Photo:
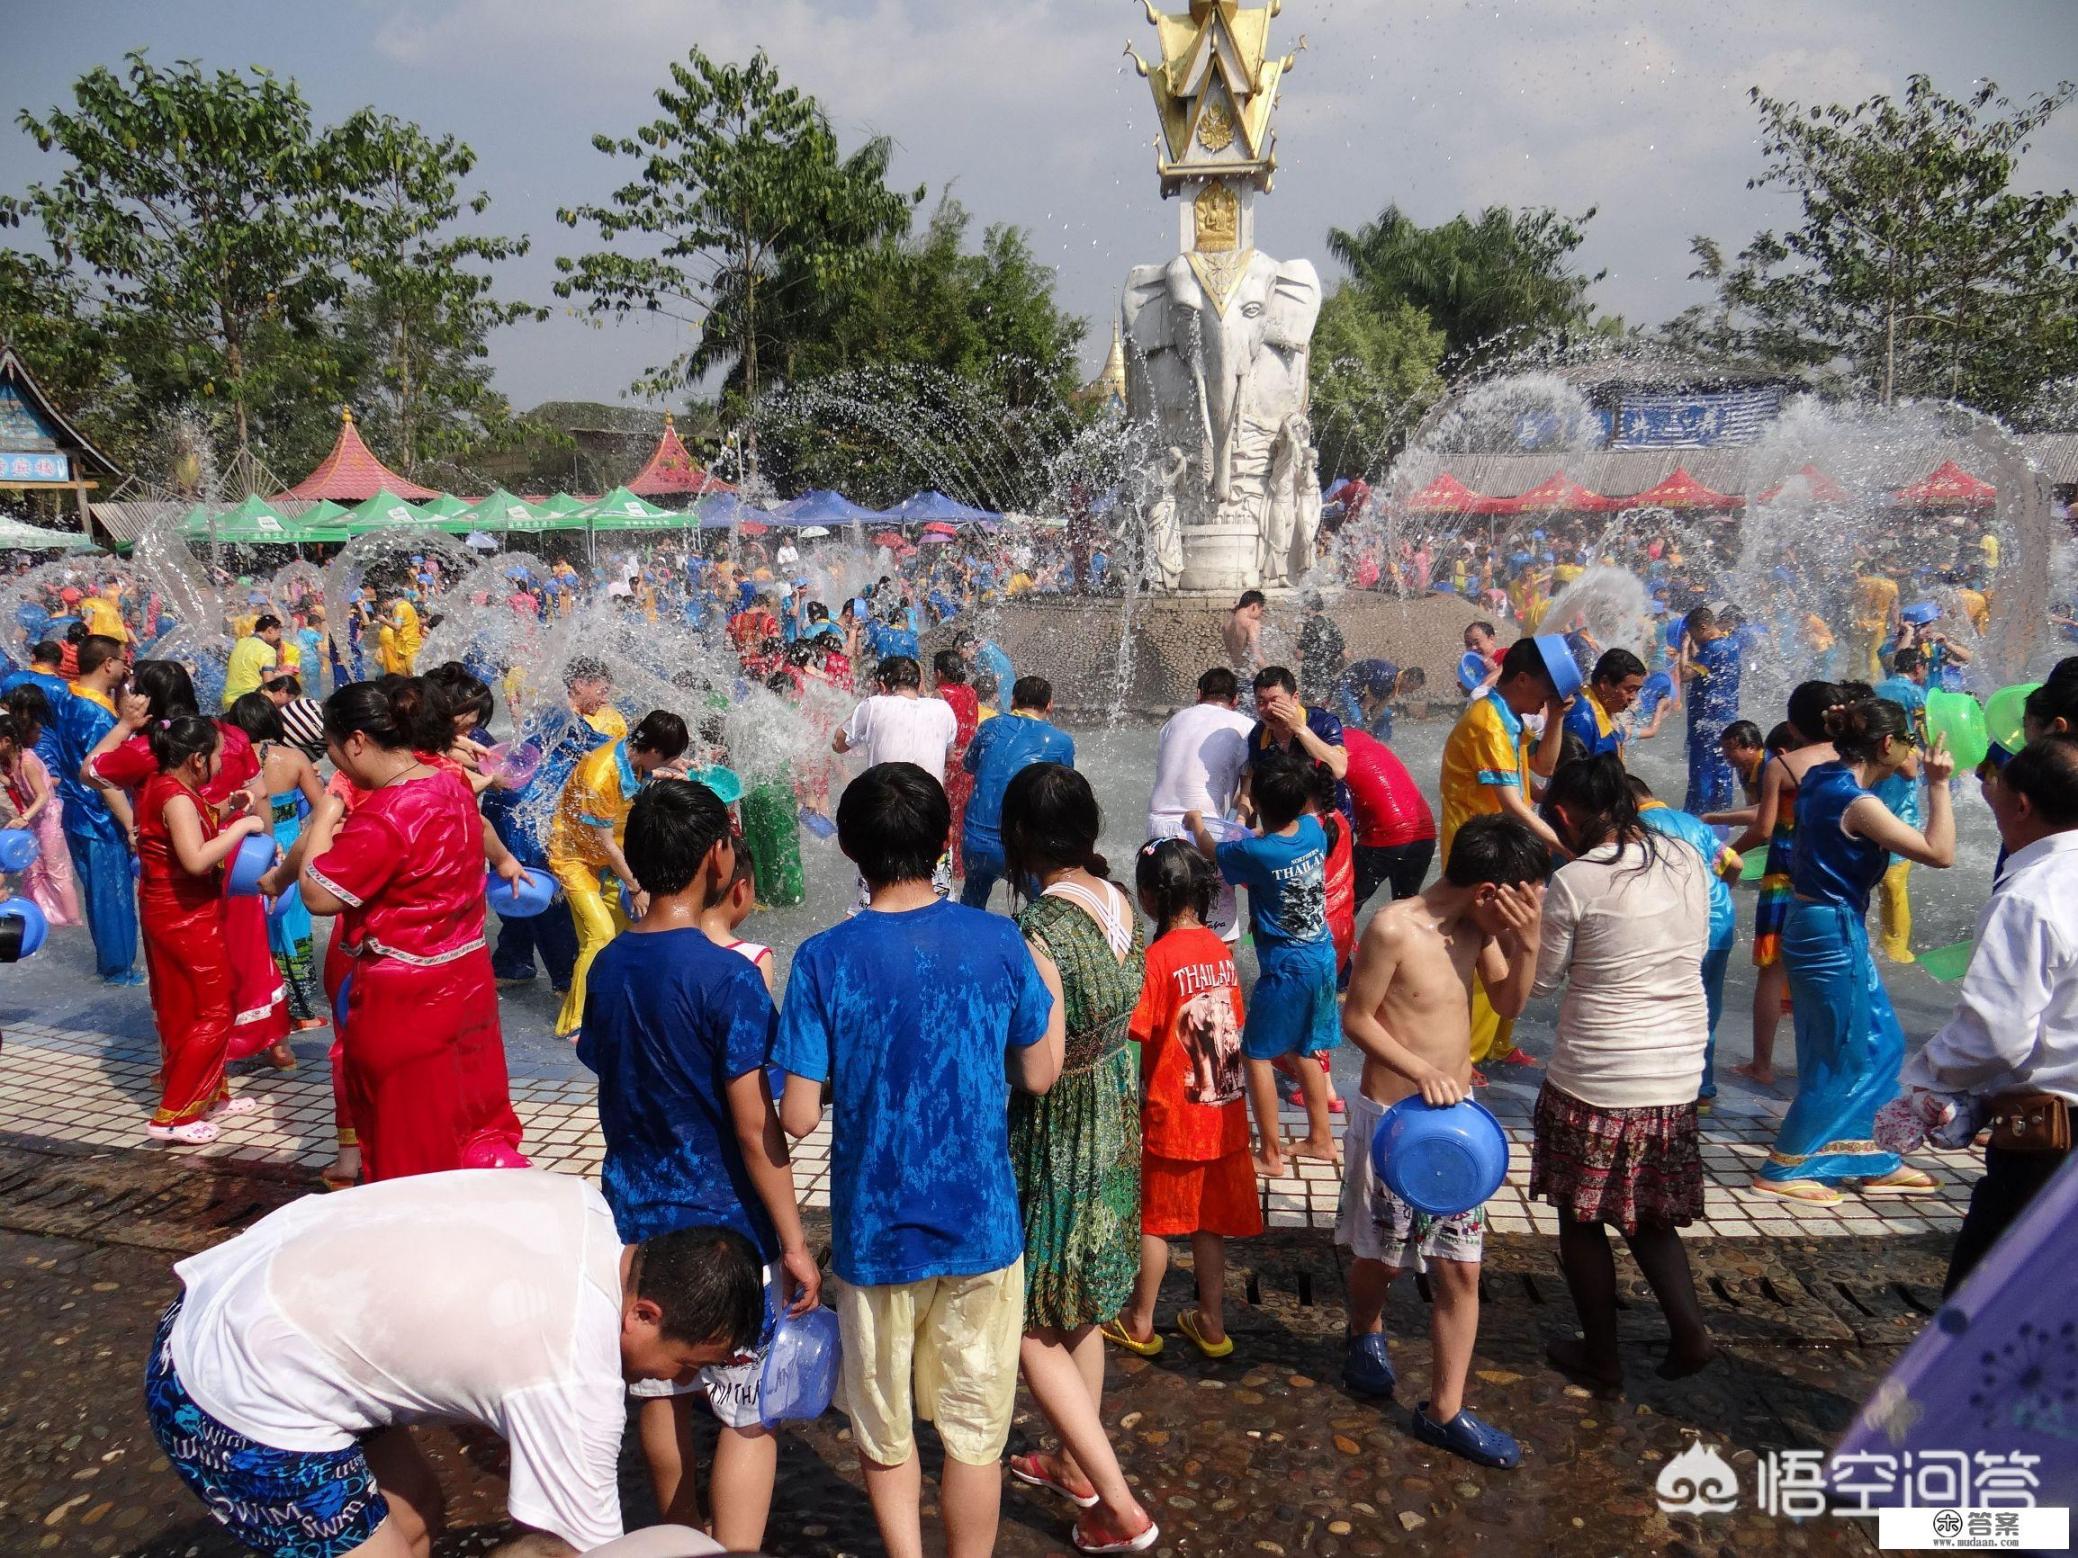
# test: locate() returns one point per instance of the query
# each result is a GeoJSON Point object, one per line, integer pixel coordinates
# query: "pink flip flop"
{"type": "Point", "coordinates": [1031, 1471]}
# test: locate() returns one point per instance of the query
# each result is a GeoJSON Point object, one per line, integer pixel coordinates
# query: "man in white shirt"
{"type": "Point", "coordinates": [2014, 1036]}
{"type": "Point", "coordinates": [787, 555]}
{"type": "Point", "coordinates": [899, 725]}
{"type": "Point", "coordinates": [284, 1380]}
{"type": "Point", "coordinates": [1197, 767]}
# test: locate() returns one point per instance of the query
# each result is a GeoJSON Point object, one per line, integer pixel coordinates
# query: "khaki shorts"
{"type": "Point", "coordinates": [944, 1349]}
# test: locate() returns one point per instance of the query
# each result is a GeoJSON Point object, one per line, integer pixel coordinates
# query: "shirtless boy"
{"type": "Point", "coordinates": [1409, 1011]}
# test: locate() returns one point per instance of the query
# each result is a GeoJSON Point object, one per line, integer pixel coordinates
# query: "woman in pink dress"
{"type": "Point", "coordinates": [38, 809]}
{"type": "Point", "coordinates": [404, 873]}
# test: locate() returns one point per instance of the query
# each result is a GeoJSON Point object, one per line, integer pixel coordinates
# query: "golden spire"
{"type": "Point", "coordinates": [1214, 92]}
{"type": "Point", "coordinates": [1111, 384]}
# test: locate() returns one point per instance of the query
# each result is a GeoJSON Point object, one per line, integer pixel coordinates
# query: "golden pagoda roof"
{"type": "Point", "coordinates": [1111, 383]}
{"type": "Point", "coordinates": [1214, 90]}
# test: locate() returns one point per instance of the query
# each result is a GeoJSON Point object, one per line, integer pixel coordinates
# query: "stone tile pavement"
{"type": "Point", "coordinates": [93, 1089]}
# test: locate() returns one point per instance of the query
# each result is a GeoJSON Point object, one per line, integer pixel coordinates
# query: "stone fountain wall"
{"type": "Point", "coordinates": [1073, 641]}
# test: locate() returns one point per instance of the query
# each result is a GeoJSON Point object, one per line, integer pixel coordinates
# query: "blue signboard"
{"type": "Point", "coordinates": [34, 466]}
{"type": "Point", "coordinates": [1687, 421]}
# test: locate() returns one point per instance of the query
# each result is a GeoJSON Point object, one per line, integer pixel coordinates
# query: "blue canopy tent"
{"type": "Point", "coordinates": [823, 507]}
{"type": "Point", "coordinates": [725, 510]}
{"type": "Point", "coordinates": [934, 507]}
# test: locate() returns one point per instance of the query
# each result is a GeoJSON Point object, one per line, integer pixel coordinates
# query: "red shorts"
{"type": "Point", "coordinates": [1179, 1197]}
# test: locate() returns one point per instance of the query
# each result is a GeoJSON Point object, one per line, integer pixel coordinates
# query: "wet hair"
{"type": "Point", "coordinates": [1697, 619]}
{"type": "Point", "coordinates": [29, 707]}
{"type": "Point", "coordinates": [174, 741]}
{"type": "Point", "coordinates": [1783, 738]}
{"type": "Point", "coordinates": [10, 728]}
{"type": "Point", "coordinates": [746, 866]}
{"type": "Point", "coordinates": [709, 1284]}
{"type": "Point", "coordinates": [585, 668]}
{"type": "Point", "coordinates": [1050, 822]}
{"type": "Point", "coordinates": [47, 652]}
{"type": "Point", "coordinates": [1171, 876]}
{"type": "Point", "coordinates": [397, 713]}
{"type": "Point", "coordinates": [1808, 702]}
{"type": "Point", "coordinates": [1742, 733]}
{"type": "Point", "coordinates": [1600, 808]}
{"type": "Point", "coordinates": [1281, 786]}
{"type": "Point", "coordinates": [463, 691]}
{"type": "Point", "coordinates": [1907, 660]}
{"type": "Point", "coordinates": [1640, 790]}
{"type": "Point", "coordinates": [1219, 683]}
{"type": "Point", "coordinates": [985, 686]}
{"type": "Point", "coordinates": [256, 715]}
{"type": "Point", "coordinates": [95, 651]}
{"type": "Point", "coordinates": [661, 732]}
{"type": "Point", "coordinates": [1497, 850]}
{"type": "Point", "coordinates": [1859, 729]}
{"type": "Point", "coordinates": [1615, 665]}
{"type": "Point", "coordinates": [265, 621]}
{"type": "Point", "coordinates": [893, 822]}
{"type": "Point", "coordinates": [2056, 699]}
{"type": "Point", "coordinates": [672, 827]}
{"type": "Point", "coordinates": [286, 681]}
{"type": "Point", "coordinates": [1480, 627]}
{"type": "Point", "coordinates": [947, 666]}
{"type": "Point", "coordinates": [1276, 676]}
{"type": "Point", "coordinates": [1251, 598]}
{"type": "Point", "coordinates": [1852, 692]}
{"type": "Point", "coordinates": [1524, 658]}
{"type": "Point", "coordinates": [1413, 679]}
{"type": "Point", "coordinates": [2046, 772]}
{"type": "Point", "coordinates": [1031, 692]}
{"type": "Point", "coordinates": [1572, 749]}
{"type": "Point", "coordinates": [898, 671]}
{"type": "Point", "coordinates": [165, 686]}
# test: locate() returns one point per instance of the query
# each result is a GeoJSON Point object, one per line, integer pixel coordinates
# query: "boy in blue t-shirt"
{"type": "Point", "coordinates": [912, 1018]}
{"type": "Point", "coordinates": [1292, 1009]}
{"type": "Point", "coordinates": [677, 1029]}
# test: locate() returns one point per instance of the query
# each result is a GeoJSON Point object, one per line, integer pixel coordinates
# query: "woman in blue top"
{"type": "Point", "coordinates": [1849, 1044]}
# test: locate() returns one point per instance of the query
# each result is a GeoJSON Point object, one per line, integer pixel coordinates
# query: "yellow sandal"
{"type": "Point", "coordinates": [1187, 1323]}
{"type": "Point", "coordinates": [1115, 1332]}
{"type": "Point", "coordinates": [1809, 1191]}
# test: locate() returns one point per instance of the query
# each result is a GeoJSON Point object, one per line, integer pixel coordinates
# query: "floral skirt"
{"type": "Point", "coordinates": [1624, 1167]}
{"type": "Point", "coordinates": [1076, 1150]}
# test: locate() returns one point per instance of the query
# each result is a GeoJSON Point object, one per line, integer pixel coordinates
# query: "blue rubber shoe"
{"type": "Point", "coordinates": [1466, 1435]}
{"type": "Point", "coordinates": [1367, 1369]}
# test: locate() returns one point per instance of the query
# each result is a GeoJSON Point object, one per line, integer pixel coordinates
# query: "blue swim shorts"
{"type": "Point", "coordinates": [1292, 1009]}
{"type": "Point", "coordinates": [284, 1503]}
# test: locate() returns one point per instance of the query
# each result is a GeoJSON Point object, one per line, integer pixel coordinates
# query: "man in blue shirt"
{"type": "Point", "coordinates": [1710, 665]}
{"type": "Point", "coordinates": [1618, 678]}
{"type": "Point", "coordinates": [999, 749]}
{"type": "Point", "coordinates": [677, 1029]}
{"type": "Point", "coordinates": [985, 654]}
{"type": "Point", "coordinates": [914, 1017]}
{"type": "Point", "coordinates": [1287, 725]}
{"type": "Point", "coordinates": [894, 637]}
{"type": "Point", "coordinates": [42, 673]}
{"type": "Point", "coordinates": [99, 843]}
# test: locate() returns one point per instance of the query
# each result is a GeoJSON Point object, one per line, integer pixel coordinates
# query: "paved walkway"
{"type": "Point", "coordinates": [93, 1089]}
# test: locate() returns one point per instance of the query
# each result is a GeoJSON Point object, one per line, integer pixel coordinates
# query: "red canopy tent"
{"type": "Point", "coordinates": [1948, 485]}
{"type": "Point", "coordinates": [671, 471]}
{"type": "Point", "coordinates": [1447, 495]}
{"type": "Point", "coordinates": [1808, 484]}
{"type": "Point", "coordinates": [1557, 494]}
{"type": "Point", "coordinates": [352, 474]}
{"type": "Point", "coordinates": [1682, 491]}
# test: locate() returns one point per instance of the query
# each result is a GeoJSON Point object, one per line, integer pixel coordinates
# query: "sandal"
{"type": "Point", "coordinates": [1187, 1323]}
{"type": "Point", "coordinates": [1904, 1180]}
{"type": "Point", "coordinates": [234, 1106]}
{"type": "Point", "coordinates": [1092, 1535]}
{"type": "Point", "coordinates": [1114, 1331]}
{"type": "Point", "coordinates": [1808, 1191]}
{"type": "Point", "coordinates": [279, 1056]}
{"type": "Point", "coordinates": [1032, 1471]}
{"type": "Point", "coordinates": [190, 1133]}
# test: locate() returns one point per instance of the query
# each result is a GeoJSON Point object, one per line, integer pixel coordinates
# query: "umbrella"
{"type": "Point", "coordinates": [887, 538]}
{"type": "Point", "coordinates": [939, 527]}
{"type": "Point", "coordinates": [480, 541]}
{"type": "Point", "coordinates": [937, 538]}
{"type": "Point", "coordinates": [751, 527]}
{"type": "Point", "coordinates": [813, 533]}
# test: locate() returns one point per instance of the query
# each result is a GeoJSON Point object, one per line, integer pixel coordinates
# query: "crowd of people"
{"type": "Point", "coordinates": [1023, 1109]}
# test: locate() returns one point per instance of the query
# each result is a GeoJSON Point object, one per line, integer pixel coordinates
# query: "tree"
{"type": "Point", "coordinates": [742, 185]}
{"type": "Point", "coordinates": [198, 205]}
{"type": "Point", "coordinates": [47, 316]}
{"type": "Point", "coordinates": [1477, 278]}
{"type": "Point", "coordinates": [1374, 370]}
{"type": "Point", "coordinates": [1916, 269]}
{"type": "Point", "coordinates": [421, 312]}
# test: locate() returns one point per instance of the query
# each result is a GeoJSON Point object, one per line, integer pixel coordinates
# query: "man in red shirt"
{"type": "Point", "coordinates": [1395, 830]}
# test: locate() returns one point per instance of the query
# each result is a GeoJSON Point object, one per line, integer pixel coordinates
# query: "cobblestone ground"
{"type": "Point", "coordinates": [1260, 1453]}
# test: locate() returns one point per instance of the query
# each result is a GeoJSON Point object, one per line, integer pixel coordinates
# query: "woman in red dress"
{"type": "Point", "coordinates": [181, 851]}
{"type": "Point", "coordinates": [949, 671]}
{"type": "Point", "coordinates": [122, 765]}
{"type": "Point", "coordinates": [424, 1057]}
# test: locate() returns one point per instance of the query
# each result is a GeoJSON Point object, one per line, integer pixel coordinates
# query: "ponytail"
{"type": "Point", "coordinates": [1051, 822]}
{"type": "Point", "coordinates": [174, 741]}
{"type": "Point", "coordinates": [1171, 877]}
{"type": "Point", "coordinates": [1600, 806]}
{"type": "Point", "coordinates": [1859, 730]}
{"type": "Point", "coordinates": [398, 713]}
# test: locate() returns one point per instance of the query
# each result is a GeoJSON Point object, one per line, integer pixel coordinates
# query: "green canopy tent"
{"type": "Point", "coordinates": [255, 522]}
{"type": "Point", "coordinates": [323, 514]}
{"type": "Point", "coordinates": [446, 506]}
{"type": "Point", "coordinates": [19, 536]}
{"type": "Point", "coordinates": [561, 503]}
{"type": "Point", "coordinates": [384, 511]}
{"type": "Point", "coordinates": [503, 510]}
{"type": "Point", "coordinates": [620, 509]}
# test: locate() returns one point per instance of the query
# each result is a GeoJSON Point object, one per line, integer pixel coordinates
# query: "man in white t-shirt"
{"type": "Point", "coordinates": [284, 1380]}
{"type": "Point", "coordinates": [899, 724]}
{"type": "Point", "coordinates": [1197, 767]}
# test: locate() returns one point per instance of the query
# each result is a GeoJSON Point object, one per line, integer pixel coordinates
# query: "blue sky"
{"type": "Point", "coordinates": [1031, 114]}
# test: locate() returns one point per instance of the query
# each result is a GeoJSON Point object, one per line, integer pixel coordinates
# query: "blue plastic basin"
{"type": "Point", "coordinates": [1440, 1161]}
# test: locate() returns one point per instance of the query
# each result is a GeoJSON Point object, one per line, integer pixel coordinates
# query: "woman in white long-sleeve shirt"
{"type": "Point", "coordinates": [1626, 924]}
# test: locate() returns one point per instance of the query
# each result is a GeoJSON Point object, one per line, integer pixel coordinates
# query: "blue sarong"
{"type": "Point", "coordinates": [1849, 1048]}
{"type": "Point", "coordinates": [108, 893]}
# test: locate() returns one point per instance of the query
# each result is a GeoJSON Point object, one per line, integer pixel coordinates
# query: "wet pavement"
{"type": "Point", "coordinates": [1263, 1452]}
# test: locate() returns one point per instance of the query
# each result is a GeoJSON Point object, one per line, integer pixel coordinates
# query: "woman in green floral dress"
{"type": "Point", "coordinates": [1076, 1148]}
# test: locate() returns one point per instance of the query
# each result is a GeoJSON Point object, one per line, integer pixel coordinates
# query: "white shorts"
{"type": "Point", "coordinates": [1375, 1224]}
{"type": "Point", "coordinates": [731, 1388]}
{"type": "Point", "coordinates": [1225, 920]}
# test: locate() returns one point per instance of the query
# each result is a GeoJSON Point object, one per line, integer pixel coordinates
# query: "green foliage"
{"type": "Point", "coordinates": [742, 186]}
{"type": "Point", "coordinates": [46, 315]}
{"type": "Point", "coordinates": [1477, 278]}
{"type": "Point", "coordinates": [1916, 270]}
{"type": "Point", "coordinates": [1374, 370]}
